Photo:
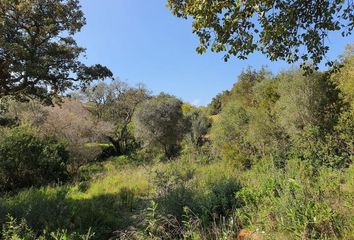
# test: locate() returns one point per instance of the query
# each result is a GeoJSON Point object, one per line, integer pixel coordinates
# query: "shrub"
{"type": "Point", "coordinates": [28, 159]}
{"type": "Point", "coordinates": [174, 190]}
{"type": "Point", "coordinates": [229, 134]}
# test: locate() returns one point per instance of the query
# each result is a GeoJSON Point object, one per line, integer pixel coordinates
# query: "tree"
{"type": "Point", "coordinates": [159, 122]}
{"type": "Point", "coordinates": [344, 131]}
{"type": "Point", "coordinates": [116, 103]}
{"type": "Point", "coordinates": [243, 90]}
{"type": "Point", "coordinates": [229, 134]}
{"type": "Point", "coordinates": [218, 102]}
{"type": "Point", "coordinates": [39, 57]}
{"type": "Point", "coordinates": [199, 124]}
{"type": "Point", "coordinates": [312, 102]}
{"type": "Point", "coordinates": [6, 118]}
{"type": "Point", "coordinates": [72, 122]}
{"type": "Point", "coordinates": [345, 77]}
{"type": "Point", "coordinates": [279, 29]}
{"type": "Point", "coordinates": [30, 112]}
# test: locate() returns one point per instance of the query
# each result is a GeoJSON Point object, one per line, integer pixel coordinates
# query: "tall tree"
{"type": "Point", "coordinates": [159, 122]}
{"type": "Point", "coordinates": [280, 29]}
{"type": "Point", "coordinates": [39, 56]}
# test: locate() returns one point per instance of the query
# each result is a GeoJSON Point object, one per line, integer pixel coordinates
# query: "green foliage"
{"type": "Point", "coordinates": [199, 126]}
{"type": "Point", "coordinates": [111, 200]}
{"type": "Point", "coordinates": [159, 122]}
{"type": "Point", "coordinates": [116, 103]}
{"type": "Point", "coordinates": [302, 201]}
{"type": "Point", "coordinates": [277, 164]}
{"type": "Point", "coordinates": [312, 101]}
{"type": "Point", "coordinates": [209, 194]}
{"type": "Point", "coordinates": [228, 133]}
{"type": "Point", "coordinates": [28, 159]}
{"type": "Point", "coordinates": [173, 188]}
{"type": "Point", "coordinates": [345, 77]}
{"type": "Point", "coordinates": [14, 230]}
{"type": "Point", "coordinates": [5, 118]}
{"type": "Point", "coordinates": [38, 55]}
{"type": "Point", "coordinates": [279, 29]}
{"type": "Point", "coordinates": [263, 118]}
{"type": "Point", "coordinates": [218, 102]}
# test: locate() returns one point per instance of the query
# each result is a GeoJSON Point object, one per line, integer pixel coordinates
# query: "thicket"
{"type": "Point", "coordinates": [28, 159]}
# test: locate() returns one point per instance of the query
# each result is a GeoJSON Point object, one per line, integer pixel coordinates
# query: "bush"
{"type": "Point", "coordinates": [28, 159]}
{"type": "Point", "coordinates": [229, 134]}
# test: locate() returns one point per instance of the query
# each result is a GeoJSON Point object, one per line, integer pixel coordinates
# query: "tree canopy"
{"type": "Point", "coordinates": [116, 103]}
{"type": "Point", "coordinates": [282, 30]}
{"type": "Point", "coordinates": [39, 57]}
{"type": "Point", "coordinates": [160, 122]}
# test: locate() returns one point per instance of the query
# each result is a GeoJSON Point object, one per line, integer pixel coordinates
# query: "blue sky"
{"type": "Point", "coordinates": [142, 42]}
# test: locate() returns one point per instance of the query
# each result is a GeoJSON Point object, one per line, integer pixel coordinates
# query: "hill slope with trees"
{"type": "Point", "coordinates": [271, 158]}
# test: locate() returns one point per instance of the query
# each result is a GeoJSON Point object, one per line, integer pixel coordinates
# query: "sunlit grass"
{"type": "Point", "coordinates": [111, 182]}
{"type": "Point", "coordinates": [98, 145]}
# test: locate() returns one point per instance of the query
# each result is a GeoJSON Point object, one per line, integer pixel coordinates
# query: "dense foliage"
{"type": "Point", "coordinates": [28, 159]}
{"type": "Point", "coordinates": [159, 122]}
{"type": "Point", "coordinates": [116, 103]}
{"type": "Point", "coordinates": [38, 55]}
{"type": "Point", "coordinates": [263, 118]}
{"type": "Point", "coordinates": [272, 164]}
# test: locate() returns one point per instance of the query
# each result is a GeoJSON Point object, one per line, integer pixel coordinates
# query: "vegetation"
{"type": "Point", "coordinates": [38, 55]}
{"type": "Point", "coordinates": [279, 29]}
{"type": "Point", "coordinates": [271, 158]}
{"type": "Point", "coordinates": [27, 159]}
{"type": "Point", "coordinates": [115, 103]}
{"type": "Point", "coordinates": [274, 162]}
{"type": "Point", "coordinates": [159, 122]}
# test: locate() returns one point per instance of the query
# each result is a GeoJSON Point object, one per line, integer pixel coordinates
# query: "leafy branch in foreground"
{"type": "Point", "coordinates": [282, 30]}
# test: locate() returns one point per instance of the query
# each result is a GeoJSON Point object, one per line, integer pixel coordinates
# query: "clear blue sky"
{"type": "Point", "coordinates": [141, 41]}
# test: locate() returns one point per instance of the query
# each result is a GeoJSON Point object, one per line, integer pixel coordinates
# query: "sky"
{"type": "Point", "coordinates": [142, 42]}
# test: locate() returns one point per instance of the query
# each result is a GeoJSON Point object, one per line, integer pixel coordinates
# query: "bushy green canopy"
{"type": "Point", "coordinates": [39, 56]}
{"type": "Point", "coordinates": [159, 122]}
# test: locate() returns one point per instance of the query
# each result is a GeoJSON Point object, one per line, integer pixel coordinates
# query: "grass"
{"type": "Point", "coordinates": [113, 195]}
{"type": "Point", "coordinates": [107, 196]}
{"type": "Point", "coordinates": [109, 201]}
{"type": "Point", "coordinates": [103, 145]}
{"type": "Point", "coordinates": [112, 179]}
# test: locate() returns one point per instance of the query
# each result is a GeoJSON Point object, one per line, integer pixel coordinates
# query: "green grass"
{"type": "Point", "coordinates": [114, 194]}
{"type": "Point", "coordinates": [98, 145]}
{"type": "Point", "coordinates": [109, 201]}
{"type": "Point", "coordinates": [109, 196]}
